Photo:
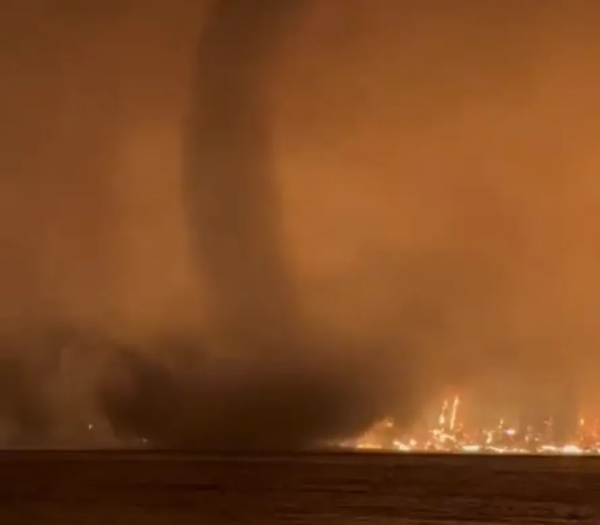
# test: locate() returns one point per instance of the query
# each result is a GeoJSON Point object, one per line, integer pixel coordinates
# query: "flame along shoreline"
{"type": "Point", "coordinates": [546, 450]}
{"type": "Point", "coordinates": [449, 436]}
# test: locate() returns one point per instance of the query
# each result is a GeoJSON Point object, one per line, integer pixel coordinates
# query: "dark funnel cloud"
{"type": "Point", "coordinates": [267, 379]}
{"type": "Point", "coordinates": [231, 193]}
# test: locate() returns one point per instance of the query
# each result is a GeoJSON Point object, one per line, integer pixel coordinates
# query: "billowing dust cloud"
{"type": "Point", "coordinates": [267, 224]}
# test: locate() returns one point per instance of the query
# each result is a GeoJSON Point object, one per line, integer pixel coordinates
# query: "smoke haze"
{"type": "Point", "coordinates": [256, 224]}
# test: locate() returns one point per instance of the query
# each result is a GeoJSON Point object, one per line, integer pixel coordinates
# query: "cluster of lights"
{"type": "Point", "coordinates": [448, 435]}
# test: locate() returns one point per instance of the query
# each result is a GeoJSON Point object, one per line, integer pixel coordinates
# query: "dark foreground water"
{"type": "Point", "coordinates": [152, 488]}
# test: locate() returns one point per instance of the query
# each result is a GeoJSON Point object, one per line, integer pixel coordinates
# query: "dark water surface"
{"type": "Point", "coordinates": [167, 488]}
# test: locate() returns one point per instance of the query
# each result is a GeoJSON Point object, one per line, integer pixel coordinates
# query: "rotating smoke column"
{"type": "Point", "coordinates": [230, 190]}
{"type": "Point", "coordinates": [264, 379]}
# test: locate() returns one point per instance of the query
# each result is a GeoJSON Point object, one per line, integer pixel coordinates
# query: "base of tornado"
{"type": "Point", "coordinates": [100, 394]}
